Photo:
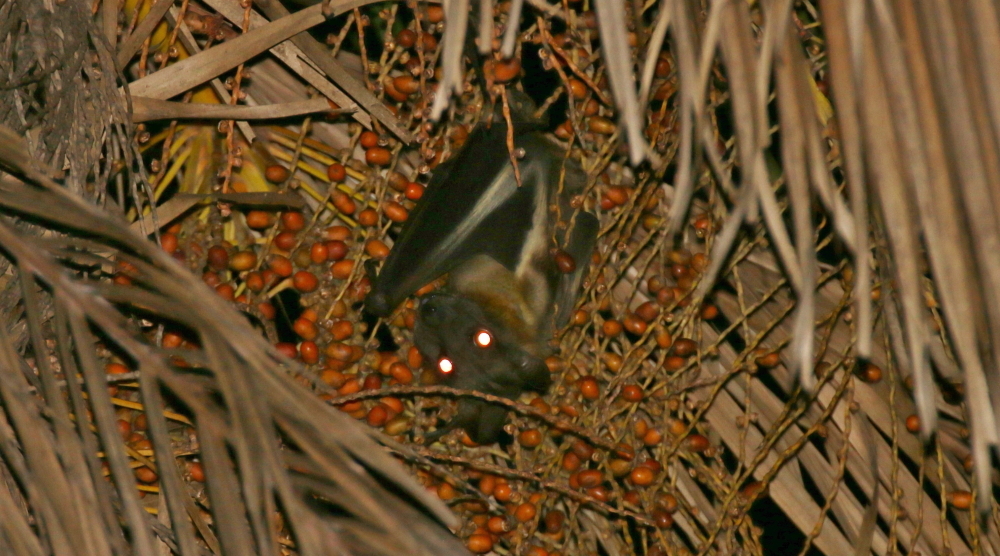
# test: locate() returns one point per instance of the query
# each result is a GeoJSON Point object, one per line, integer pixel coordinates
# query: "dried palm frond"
{"type": "Point", "coordinates": [59, 89]}
{"type": "Point", "coordinates": [267, 445]}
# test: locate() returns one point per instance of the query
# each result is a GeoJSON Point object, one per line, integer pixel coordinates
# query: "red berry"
{"type": "Point", "coordinates": [369, 139]}
{"type": "Point", "coordinates": [305, 281]}
{"type": "Point", "coordinates": [336, 172]}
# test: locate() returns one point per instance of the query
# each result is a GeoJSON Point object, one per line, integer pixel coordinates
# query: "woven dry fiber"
{"type": "Point", "coordinates": [677, 423]}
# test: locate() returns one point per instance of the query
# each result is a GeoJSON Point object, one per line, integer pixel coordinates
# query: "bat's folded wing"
{"type": "Point", "coordinates": [472, 207]}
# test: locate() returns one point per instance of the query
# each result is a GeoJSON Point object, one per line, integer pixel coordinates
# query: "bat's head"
{"type": "Point", "coordinates": [474, 350]}
{"type": "Point", "coordinates": [522, 112]}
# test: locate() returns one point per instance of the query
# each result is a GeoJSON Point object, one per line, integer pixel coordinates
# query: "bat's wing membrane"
{"type": "Point", "coordinates": [579, 242]}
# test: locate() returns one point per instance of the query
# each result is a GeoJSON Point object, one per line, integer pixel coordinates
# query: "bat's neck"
{"type": "Point", "coordinates": [501, 296]}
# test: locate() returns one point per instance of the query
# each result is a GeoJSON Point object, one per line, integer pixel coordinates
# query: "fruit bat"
{"type": "Point", "coordinates": [488, 329]}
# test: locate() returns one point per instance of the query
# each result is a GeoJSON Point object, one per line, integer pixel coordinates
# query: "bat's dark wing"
{"type": "Point", "coordinates": [472, 206]}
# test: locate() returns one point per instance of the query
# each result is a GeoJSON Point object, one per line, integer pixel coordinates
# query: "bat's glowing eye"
{"type": "Point", "coordinates": [444, 364]}
{"type": "Point", "coordinates": [483, 339]}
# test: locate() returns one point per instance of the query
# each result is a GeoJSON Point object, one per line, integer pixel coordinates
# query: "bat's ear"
{"type": "Point", "coordinates": [522, 112]}
{"type": "Point", "coordinates": [533, 371]}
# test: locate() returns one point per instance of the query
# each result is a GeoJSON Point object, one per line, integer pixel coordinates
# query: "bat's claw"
{"type": "Point", "coordinates": [377, 304]}
{"type": "Point", "coordinates": [377, 301]}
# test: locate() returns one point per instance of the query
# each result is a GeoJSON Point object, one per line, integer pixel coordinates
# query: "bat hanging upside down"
{"type": "Point", "coordinates": [488, 329]}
